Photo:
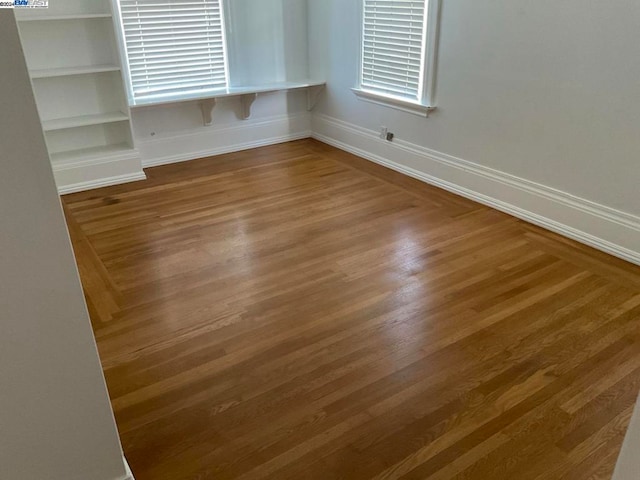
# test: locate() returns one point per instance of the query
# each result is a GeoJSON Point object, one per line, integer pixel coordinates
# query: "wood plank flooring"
{"type": "Point", "coordinates": [295, 312]}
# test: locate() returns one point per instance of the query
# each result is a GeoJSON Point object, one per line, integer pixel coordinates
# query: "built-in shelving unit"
{"type": "Point", "coordinates": [75, 67]}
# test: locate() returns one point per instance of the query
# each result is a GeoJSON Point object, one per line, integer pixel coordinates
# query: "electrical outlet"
{"type": "Point", "coordinates": [383, 133]}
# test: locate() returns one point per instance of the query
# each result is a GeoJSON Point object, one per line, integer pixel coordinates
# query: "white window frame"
{"type": "Point", "coordinates": [426, 99]}
{"type": "Point", "coordinates": [160, 99]}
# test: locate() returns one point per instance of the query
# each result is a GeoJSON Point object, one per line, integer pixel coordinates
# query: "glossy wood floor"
{"type": "Point", "coordinates": [294, 312]}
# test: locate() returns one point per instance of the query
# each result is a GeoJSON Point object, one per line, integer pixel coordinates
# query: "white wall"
{"type": "Point", "coordinates": [55, 419]}
{"type": "Point", "coordinates": [267, 43]}
{"type": "Point", "coordinates": [541, 90]}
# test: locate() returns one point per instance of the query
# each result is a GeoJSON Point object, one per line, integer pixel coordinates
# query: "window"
{"type": "Point", "coordinates": [173, 46]}
{"type": "Point", "coordinates": [399, 40]}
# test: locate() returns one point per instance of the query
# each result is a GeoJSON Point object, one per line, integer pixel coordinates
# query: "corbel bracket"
{"type": "Point", "coordinates": [247, 101]}
{"type": "Point", "coordinates": [207, 107]}
{"type": "Point", "coordinates": [313, 93]}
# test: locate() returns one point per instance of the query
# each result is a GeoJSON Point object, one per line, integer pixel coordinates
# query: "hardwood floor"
{"type": "Point", "coordinates": [295, 312]}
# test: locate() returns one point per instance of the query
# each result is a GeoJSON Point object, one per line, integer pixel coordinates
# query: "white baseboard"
{"type": "Point", "coordinates": [129, 475]}
{"type": "Point", "coordinates": [599, 226]}
{"type": "Point", "coordinates": [102, 182]}
{"type": "Point", "coordinates": [210, 141]}
{"type": "Point", "coordinates": [162, 150]}
{"type": "Point", "coordinates": [96, 173]}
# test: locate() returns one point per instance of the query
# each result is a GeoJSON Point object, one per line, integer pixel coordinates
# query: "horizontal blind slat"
{"type": "Point", "coordinates": [392, 50]}
{"type": "Point", "coordinates": [177, 50]}
{"type": "Point", "coordinates": [163, 33]}
{"type": "Point", "coordinates": [174, 45]}
{"type": "Point", "coordinates": [179, 68]}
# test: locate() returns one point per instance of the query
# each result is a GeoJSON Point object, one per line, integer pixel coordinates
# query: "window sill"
{"type": "Point", "coordinates": [415, 108]}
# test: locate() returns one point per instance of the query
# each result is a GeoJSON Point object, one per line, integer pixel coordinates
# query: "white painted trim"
{"type": "Point", "coordinates": [129, 475]}
{"type": "Point", "coordinates": [207, 142]}
{"type": "Point", "coordinates": [398, 103]}
{"type": "Point", "coordinates": [598, 226]}
{"type": "Point", "coordinates": [99, 183]}
{"type": "Point", "coordinates": [93, 171]}
{"type": "Point", "coordinates": [130, 155]}
{"type": "Point", "coordinates": [431, 48]}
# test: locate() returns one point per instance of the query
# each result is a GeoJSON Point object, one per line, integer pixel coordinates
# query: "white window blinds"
{"type": "Point", "coordinates": [393, 47]}
{"type": "Point", "coordinates": [174, 46]}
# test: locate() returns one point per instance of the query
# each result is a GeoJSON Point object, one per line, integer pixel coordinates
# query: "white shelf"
{"type": "Point", "coordinates": [74, 157]}
{"type": "Point", "coordinates": [247, 94]}
{"type": "Point", "coordinates": [73, 16]}
{"type": "Point", "coordinates": [68, 71]}
{"type": "Point", "coordinates": [224, 92]}
{"type": "Point", "coordinates": [83, 121]}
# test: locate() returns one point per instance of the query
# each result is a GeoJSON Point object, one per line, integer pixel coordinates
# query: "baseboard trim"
{"type": "Point", "coordinates": [96, 172]}
{"type": "Point", "coordinates": [208, 142]}
{"type": "Point", "coordinates": [599, 226]}
{"type": "Point", "coordinates": [102, 182]}
{"type": "Point", "coordinates": [129, 475]}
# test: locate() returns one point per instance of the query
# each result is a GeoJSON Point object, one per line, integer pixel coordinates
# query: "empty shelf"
{"type": "Point", "coordinates": [66, 71]}
{"type": "Point", "coordinates": [83, 121]}
{"type": "Point", "coordinates": [87, 154]}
